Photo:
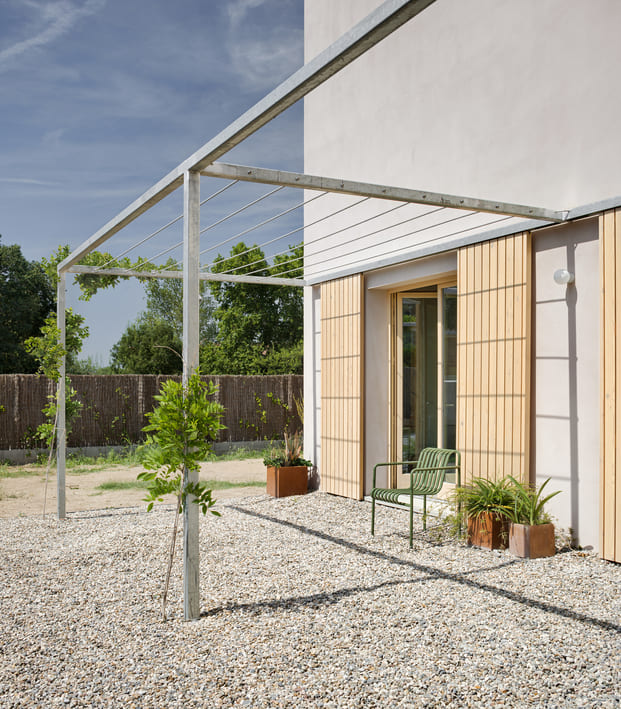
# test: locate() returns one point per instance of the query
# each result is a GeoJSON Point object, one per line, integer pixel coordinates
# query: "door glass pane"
{"type": "Point", "coordinates": [449, 366]}
{"type": "Point", "coordinates": [420, 356]}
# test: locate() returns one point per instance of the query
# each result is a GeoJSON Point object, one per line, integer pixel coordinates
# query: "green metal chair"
{"type": "Point", "coordinates": [426, 478]}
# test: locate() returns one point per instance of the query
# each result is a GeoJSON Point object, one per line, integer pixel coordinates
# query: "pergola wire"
{"type": "Point", "coordinates": [359, 237]}
{"type": "Point", "coordinates": [258, 226]}
{"type": "Point", "coordinates": [338, 231]}
{"type": "Point", "coordinates": [288, 250]}
{"type": "Point", "coordinates": [427, 241]}
{"type": "Point", "coordinates": [140, 243]}
{"type": "Point", "coordinates": [306, 226]}
{"type": "Point", "coordinates": [295, 269]}
{"type": "Point", "coordinates": [311, 268]}
{"type": "Point", "coordinates": [163, 228]}
{"type": "Point", "coordinates": [242, 209]}
{"type": "Point", "coordinates": [351, 226]}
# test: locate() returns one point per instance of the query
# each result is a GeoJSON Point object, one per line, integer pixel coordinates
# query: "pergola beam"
{"type": "Point", "coordinates": [204, 276]}
{"type": "Point", "coordinates": [365, 35]}
{"type": "Point", "coordinates": [365, 189]}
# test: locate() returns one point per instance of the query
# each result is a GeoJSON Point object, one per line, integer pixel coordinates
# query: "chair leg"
{"type": "Point", "coordinates": [411, 519]}
{"type": "Point", "coordinates": [424, 512]}
{"type": "Point", "coordinates": [372, 516]}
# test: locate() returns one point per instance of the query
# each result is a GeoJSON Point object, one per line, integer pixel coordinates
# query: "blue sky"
{"type": "Point", "coordinates": [99, 99]}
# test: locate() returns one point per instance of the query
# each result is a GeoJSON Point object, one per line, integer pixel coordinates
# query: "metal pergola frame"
{"type": "Point", "coordinates": [391, 15]}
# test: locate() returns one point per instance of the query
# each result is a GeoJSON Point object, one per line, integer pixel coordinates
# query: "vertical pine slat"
{"type": "Point", "coordinates": [494, 337]}
{"type": "Point", "coordinates": [493, 359]}
{"type": "Point", "coordinates": [610, 488]}
{"type": "Point", "coordinates": [485, 330]}
{"type": "Point", "coordinates": [342, 367]}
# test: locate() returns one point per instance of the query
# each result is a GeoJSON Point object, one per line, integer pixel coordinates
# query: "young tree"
{"type": "Point", "coordinates": [182, 429]}
{"type": "Point", "coordinates": [47, 351]}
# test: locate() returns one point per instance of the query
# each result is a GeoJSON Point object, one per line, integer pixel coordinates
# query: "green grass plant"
{"type": "Point", "coordinates": [133, 456]}
{"type": "Point", "coordinates": [528, 503]}
{"type": "Point", "coordinates": [12, 471]}
{"type": "Point", "coordinates": [235, 454]}
{"type": "Point", "coordinates": [227, 485]}
{"type": "Point", "coordinates": [113, 485]}
{"type": "Point", "coordinates": [482, 495]}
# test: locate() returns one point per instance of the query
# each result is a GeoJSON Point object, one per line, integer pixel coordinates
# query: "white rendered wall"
{"type": "Point", "coordinates": [565, 395]}
{"type": "Point", "coordinates": [497, 99]}
{"type": "Point", "coordinates": [312, 374]}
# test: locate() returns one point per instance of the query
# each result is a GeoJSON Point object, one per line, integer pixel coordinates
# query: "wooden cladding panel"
{"type": "Point", "coordinates": [493, 357]}
{"type": "Point", "coordinates": [610, 455]}
{"type": "Point", "coordinates": [342, 333]}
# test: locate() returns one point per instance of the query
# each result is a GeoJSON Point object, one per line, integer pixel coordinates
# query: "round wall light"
{"type": "Point", "coordinates": [563, 277]}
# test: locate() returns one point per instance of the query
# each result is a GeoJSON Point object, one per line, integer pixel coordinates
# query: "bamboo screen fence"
{"type": "Point", "coordinates": [114, 407]}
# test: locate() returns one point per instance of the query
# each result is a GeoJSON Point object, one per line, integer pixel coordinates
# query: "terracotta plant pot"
{"type": "Point", "coordinates": [531, 541]}
{"type": "Point", "coordinates": [489, 530]}
{"type": "Point", "coordinates": [282, 482]}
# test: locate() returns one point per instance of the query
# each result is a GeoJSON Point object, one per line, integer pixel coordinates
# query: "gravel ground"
{"type": "Point", "coordinates": [301, 607]}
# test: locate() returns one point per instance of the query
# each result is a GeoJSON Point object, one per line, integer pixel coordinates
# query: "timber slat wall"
{"type": "Point", "coordinates": [342, 337]}
{"type": "Point", "coordinates": [115, 407]}
{"type": "Point", "coordinates": [493, 354]}
{"type": "Point", "coordinates": [610, 455]}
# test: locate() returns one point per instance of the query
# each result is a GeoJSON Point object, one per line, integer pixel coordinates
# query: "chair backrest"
{"type": "Point", "coordinates": [432, 464]}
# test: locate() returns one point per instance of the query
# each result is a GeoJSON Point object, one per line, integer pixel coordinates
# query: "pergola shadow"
{"type": "Point", "coordinates": [429, 573]}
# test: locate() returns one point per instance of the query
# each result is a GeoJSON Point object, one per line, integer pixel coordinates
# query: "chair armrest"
{"type": "Point", "coordinates": [384, 465]}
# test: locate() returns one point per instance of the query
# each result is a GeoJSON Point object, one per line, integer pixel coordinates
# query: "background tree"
{"type": "Point", "coordinates": [148, 346]}
{"type": "Point", "coordinates": [260, 327]}
{"type": "Point", "coordinates": [165, 303]}
{"type": "Point", "coordinates": [27, 297]}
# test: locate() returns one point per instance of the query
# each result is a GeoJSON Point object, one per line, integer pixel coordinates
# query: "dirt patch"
{"type": "Point", "coordinates": [25, 495]}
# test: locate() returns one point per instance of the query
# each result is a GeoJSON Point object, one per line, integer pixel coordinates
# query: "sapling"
{"type": "Point", "coordinates": [181, 432]}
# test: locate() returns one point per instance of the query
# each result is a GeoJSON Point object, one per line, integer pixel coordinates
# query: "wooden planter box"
{"type": "Point", "coordinates": [282, 482]}
{"type": "Point", "coordinates": [488, 530]}
{"type": "Point", "coordinates": [531, 542]}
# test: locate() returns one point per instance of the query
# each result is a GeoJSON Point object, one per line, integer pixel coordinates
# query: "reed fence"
{"type": "Point", "coordinates": [114, 407]}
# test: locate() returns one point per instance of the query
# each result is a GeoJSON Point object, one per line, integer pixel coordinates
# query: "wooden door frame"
{"type": "Point", "coordinates": [395, 399]}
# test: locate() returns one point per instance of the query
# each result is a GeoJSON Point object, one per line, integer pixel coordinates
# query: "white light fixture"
{"type": "Point", "coordinates": [563, 277]}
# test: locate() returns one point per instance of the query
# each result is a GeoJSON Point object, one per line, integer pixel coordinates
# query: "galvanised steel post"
{"type": "Point", "coordinates": [191, 281]}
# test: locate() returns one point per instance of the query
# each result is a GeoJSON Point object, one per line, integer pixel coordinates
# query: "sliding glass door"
{"type": "Point", "coordinates": [424, 372]}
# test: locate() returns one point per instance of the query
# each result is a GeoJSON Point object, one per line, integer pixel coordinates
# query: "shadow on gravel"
{"type": "Point", "coordinates": [314, 600]}
{"type": "Point", "coordinates": [110, 512]}
{"type": "Point", "coordinates": [429, 571]}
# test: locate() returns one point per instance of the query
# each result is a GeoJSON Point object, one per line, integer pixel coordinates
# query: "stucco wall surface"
{"type": "Point", "coordinates": [565, 377]}
{"type": "Point", "coordinates": [495, 99]}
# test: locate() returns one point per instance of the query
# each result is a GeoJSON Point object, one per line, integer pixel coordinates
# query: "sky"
{"type": "Point", "coordinates": [99, 99]}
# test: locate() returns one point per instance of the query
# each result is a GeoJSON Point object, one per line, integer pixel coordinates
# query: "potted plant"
{"type": "Point", "coordinates": [531, 532]}
{"type": "Point", "coordinates": [485, 504]}
{"type": "Point", "coordinates": [287, 470]}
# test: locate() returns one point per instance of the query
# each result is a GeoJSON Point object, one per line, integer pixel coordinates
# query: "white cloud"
{"type": "Point", "coordinates": [263, 44]}
{"type": "Point", "coordinates": [53, 20]}
{"type": "Point", "coordinates": [263, 63]}
{"type": "Point", "coordinates": [52, 138]}
{"type": "Point", "coordinates": [27, 181]}
{"type": "Point", "coordinates": [238, 9]}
